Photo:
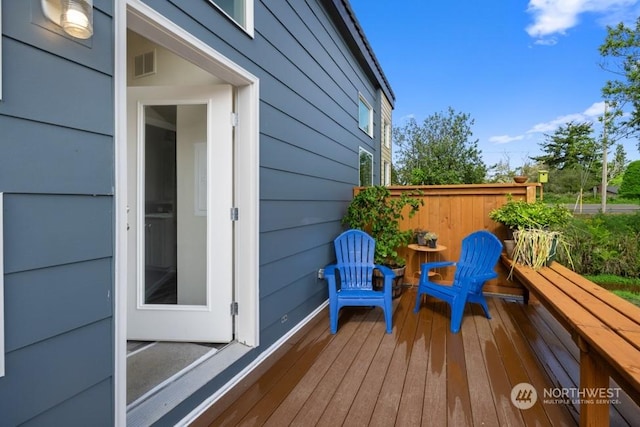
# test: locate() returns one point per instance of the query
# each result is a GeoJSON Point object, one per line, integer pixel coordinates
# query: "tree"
{"type": "Point", "coordinates": [621, 56]}
{"type": "Point", "coordinates": [439, 151]}
{"type": "Point", "coordinates": [616, 166]}
{"type": "Point", "coordinates": [631, 181]}
{"type": "Point", "coordinates": [569, 146]}
{"type": "Point", "coordinates": [574, 154]}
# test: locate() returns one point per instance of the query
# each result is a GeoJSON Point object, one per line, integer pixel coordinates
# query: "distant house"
{"type": "Point", "coordinates": [178, 176]}
{"type": "Point", "coordinates": [612, 190]}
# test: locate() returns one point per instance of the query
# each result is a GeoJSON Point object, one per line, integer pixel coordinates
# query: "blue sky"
{"type": "Point", "coordinates": [519, 68]}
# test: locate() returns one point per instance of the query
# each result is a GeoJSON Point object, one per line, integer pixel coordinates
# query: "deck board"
{"type": "Point", "coordinates": [421, 374]}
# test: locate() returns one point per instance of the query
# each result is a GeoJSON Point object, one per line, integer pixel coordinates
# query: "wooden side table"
{"type": "Point", "coordinates": [426, 250]}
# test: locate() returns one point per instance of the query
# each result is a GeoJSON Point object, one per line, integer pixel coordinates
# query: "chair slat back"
{"type": "Point", "coordinates": [354, 253]}
{"type": "Point", "coordinates": [479, 255]}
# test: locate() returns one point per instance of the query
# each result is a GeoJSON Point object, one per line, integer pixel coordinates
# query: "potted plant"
{"type": "Point", "coordinates": [520, 177]}
{"type": "Point", "coordinates": [520, 214]}
{"type": "Point", "coordinates": [432, 239]}
{"type": "Point", "coordinates": [375, 211]}
{"type": "Point", "coordinates": [536, 229]}
{"type": "Point", "coordinates": [420, 235]}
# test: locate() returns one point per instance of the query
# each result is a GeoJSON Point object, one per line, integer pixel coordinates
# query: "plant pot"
{"type": "Point", "coordinates": [520, 179]}
{"type": "Point", "coordinates": [535, 248]}
{"type": "Point", "coordinates": [433, 243]}
{"type": "Point", "coordinates": [509, 247]}
{"type": "Point", "coordinates": [420, 239]}
{"type": "Point", "coordinates": [396, 283]}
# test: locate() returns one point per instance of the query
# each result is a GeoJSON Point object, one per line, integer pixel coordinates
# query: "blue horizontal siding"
{"type": "Point", "coordinates": [50, 301]}
{"type": "Point", "coordinates": [302, 213]}
{"type": "Point", "coordinates": [91, 407]}
{"type": "Point", "coordinates": [44, 230]}
{"type": "Point", "coordinates": [55, 159]}
{"type": "Point", "coordinates": [57, 173]}
{"type": "Point", "coordinates": [43, 87]}
{"type": "Point", "coordinates": [48, 373]}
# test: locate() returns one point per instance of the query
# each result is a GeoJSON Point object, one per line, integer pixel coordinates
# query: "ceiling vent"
{"type": "Point", "coordinates": [144, 64]}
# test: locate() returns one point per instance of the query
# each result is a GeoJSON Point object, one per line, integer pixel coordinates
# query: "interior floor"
{"type": "Point", "coordinates": [150, 364]}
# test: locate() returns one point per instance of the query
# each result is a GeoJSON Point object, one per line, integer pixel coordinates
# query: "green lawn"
{"type": "Point", "coordinates": [624, 287]}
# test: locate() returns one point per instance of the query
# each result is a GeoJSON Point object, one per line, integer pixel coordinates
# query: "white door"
{"type": "Point", "coordinates": [180, 237]}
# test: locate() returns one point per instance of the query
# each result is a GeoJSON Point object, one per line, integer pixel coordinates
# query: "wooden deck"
{"type": "Point", "coordinates": [421, 374]}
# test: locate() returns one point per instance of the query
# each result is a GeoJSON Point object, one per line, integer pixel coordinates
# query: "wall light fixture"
{"type": "Point", "coordinates": [74, 16]}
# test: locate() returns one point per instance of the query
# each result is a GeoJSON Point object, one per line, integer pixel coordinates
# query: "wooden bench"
{"type": "Point", "coordinates": [605, 327]}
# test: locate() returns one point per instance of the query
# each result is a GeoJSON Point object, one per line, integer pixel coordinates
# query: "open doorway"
{"type": "Point", "coordinates": [188, 262]}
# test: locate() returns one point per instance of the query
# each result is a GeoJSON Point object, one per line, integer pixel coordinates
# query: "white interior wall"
{"type": "Point", "coordinates": [192, 228]}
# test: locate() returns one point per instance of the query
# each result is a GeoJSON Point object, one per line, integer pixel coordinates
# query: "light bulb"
{"type": "Point", "coordinates": [76, 18]}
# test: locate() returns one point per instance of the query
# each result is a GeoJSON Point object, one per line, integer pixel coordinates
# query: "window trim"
{"type": "Point", "coordinates": [362, 150]}
{"type": "Point", "coordinates": [386, 133]}
{"type": "Point", "coordinates": [362, 100]}
{"type": "Point", "coordinates": [387, 173]}
{"type": "Point", "coordinates": [248, 27]}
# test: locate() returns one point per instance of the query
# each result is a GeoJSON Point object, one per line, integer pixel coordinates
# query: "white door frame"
{"type": "Point", "coordinates": [146, 21]}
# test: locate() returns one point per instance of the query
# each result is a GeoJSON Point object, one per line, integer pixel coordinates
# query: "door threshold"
{"type": "Point", "coordinates": [159, 401]}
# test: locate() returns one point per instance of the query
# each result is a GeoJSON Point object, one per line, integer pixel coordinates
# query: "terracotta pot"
{"type": "Point", "coordinates": [520, 179]}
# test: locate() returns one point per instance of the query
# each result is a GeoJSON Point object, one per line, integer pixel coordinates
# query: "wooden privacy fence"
{"type": "Point", "coordinates": [454, 211]}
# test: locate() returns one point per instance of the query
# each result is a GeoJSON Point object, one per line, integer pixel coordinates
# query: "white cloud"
{"type": "Point", "coordinates": [591, 114]}
{"type": "Point", "coordinates": [504, 139]}
{"type": "Point", "coordinates": [596, 110]}
{"type": "Point", "coordinates": [557, 16]}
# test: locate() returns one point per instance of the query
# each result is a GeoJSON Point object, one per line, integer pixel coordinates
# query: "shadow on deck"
{"type": "Point", "coordinates": [419, 374]}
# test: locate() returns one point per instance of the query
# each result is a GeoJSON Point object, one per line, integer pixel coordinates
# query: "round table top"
{"type": "Point", "coordinates": [421, 248]}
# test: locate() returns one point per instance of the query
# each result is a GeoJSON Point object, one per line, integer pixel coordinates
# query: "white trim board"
{"type": "Point", "coordinates": [141, 18]}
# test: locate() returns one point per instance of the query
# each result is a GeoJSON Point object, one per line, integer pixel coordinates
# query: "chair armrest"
{"type": "Point", "coordinates": [476, 282]}
{"type": "Point", "coordinates": [384, 270]}
{"type": "Point", "coordinates": [330, 270]}
{"type": "Point", "coordinates": [437, 264]}
{"type": "Point", "coordinates": [484, 277]}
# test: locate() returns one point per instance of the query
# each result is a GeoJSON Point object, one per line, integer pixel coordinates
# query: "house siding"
{"type": "Point", "coordinates": [309, 142]}
{"type": "Point", "coordinates": [57, 173]}
{"type": "Point", "coordinates": [56, 170]}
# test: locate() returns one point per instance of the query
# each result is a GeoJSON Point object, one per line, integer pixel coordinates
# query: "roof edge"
{"type": "Point", "coordinates": [356, 36]}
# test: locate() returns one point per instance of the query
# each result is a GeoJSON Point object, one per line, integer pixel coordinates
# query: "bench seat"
{"type": "Point", "coordinates": [605, 327]}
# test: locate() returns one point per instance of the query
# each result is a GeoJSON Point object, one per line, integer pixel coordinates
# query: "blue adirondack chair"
{"type": "Point", "coordinates": [478, 257]}
{"type": "Point", "coordinates": [354, 284]}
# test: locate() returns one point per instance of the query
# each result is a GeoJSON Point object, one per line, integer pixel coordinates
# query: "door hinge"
{"type": "Point", "coordinates": [234, 214]}
{"type": "Point", "coordinates": [234, 119]}
{"type": "Point", "coordinates": [234, 308]}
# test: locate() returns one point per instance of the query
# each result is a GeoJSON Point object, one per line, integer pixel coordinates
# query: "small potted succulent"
{"type": "Point", "coordinates": [420, 235]}
{"type": "Point", "coordinates": [432, 239]}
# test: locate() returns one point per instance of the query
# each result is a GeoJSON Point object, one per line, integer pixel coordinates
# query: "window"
{"type": "Point", "coordinates": [366, 168]}
{"type": "Point", "coordinates": [365, 116]}
{"type": "Point", "coordinates": [386, 134]}
{"type": "Point", "coordinates": [241, 11]}
{"type": "Point", "coordinates": [386, 170]}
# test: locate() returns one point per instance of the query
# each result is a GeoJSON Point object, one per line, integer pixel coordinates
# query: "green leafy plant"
{"type": "Point", "coordinates": [519, 214]}
{"type": "Point", "coordinates": [375, 211]}
{"type": "Point", "coordinates": [631, 181]}
{"type": "Point", "coordinates": [605, 244]}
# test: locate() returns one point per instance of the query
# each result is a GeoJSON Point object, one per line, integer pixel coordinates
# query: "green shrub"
{"type": "Point", "coordinates": [604, 244]}
{"type": "Point", "coordinates": [517, 214]}
{"type": "Point", "coordinates": [630, 186]}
